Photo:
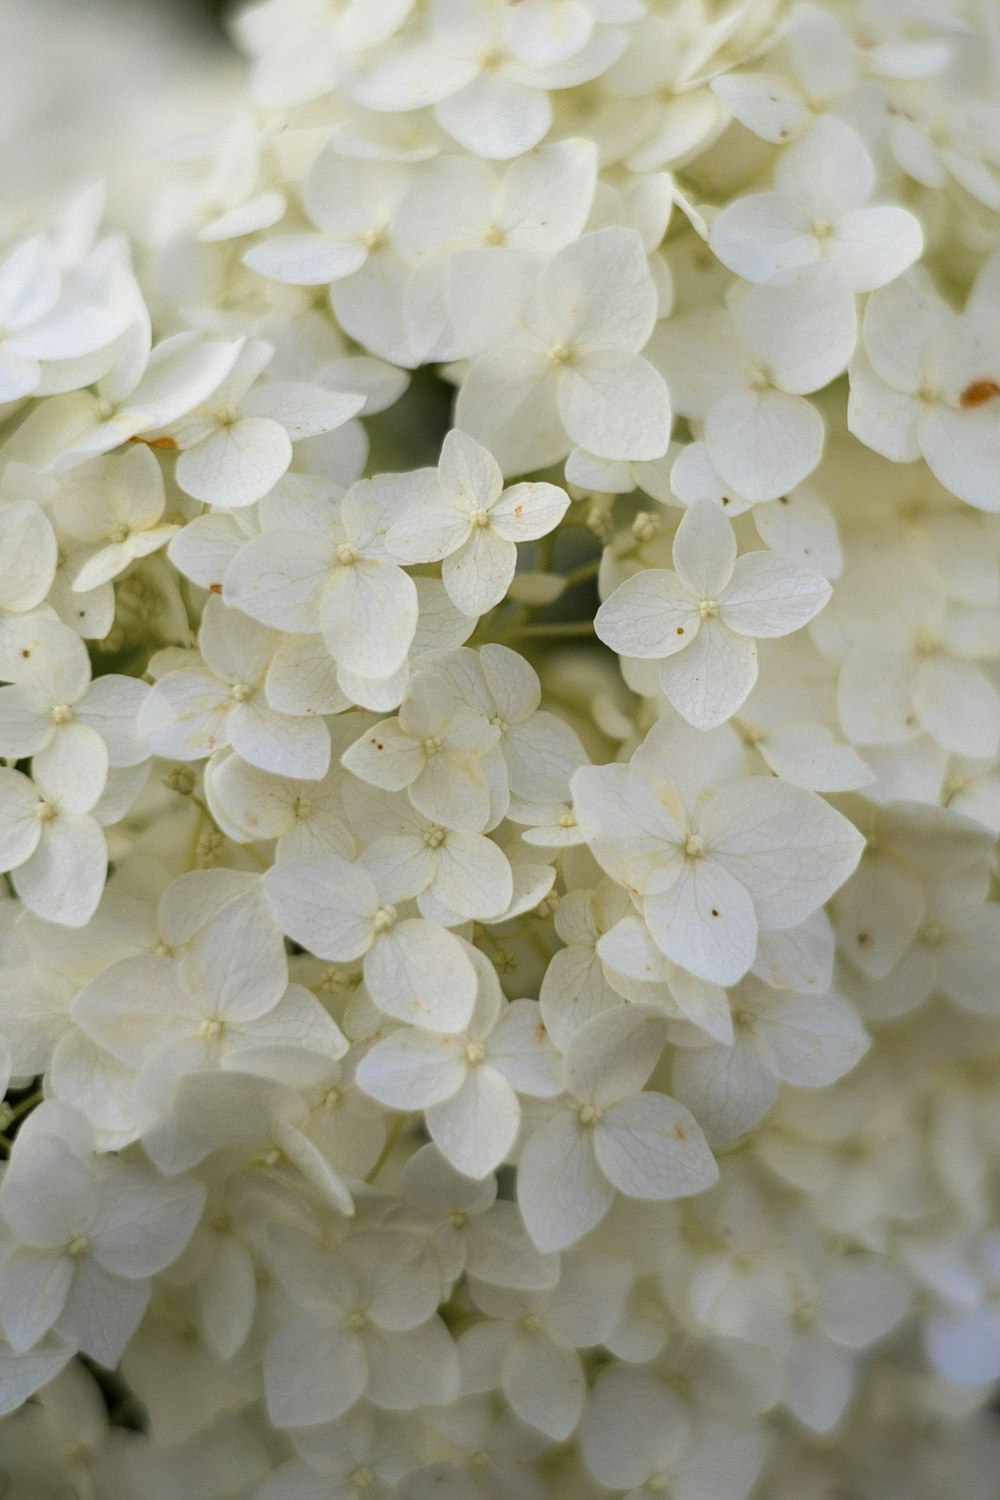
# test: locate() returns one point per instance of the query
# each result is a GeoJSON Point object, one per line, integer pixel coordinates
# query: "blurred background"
{"type": "Point", "coordinates": [86, 85]}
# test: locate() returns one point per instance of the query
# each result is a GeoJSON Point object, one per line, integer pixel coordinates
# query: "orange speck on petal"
{"type": "Point", "coordinates": [977, 393]}
{"type": "Point", "coordinates": [167, 444]}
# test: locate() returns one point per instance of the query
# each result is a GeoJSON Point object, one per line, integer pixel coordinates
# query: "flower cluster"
{"type": "Point", "coordinates": [500, 634]}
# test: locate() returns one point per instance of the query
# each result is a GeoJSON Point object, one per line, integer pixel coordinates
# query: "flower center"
{"type": "Point", "coordinates": [240, 692]}
{"type": "Point", "coordinates": [475, 1052]}
{"type": "Point", "coordinates": [45, 812]}
{"type": "Point", "coordinates": [210, 1029]}
{"type": "Point", "coordinates": [589, 1114]}
{"type": "Point", "coordinates": [694, 846]}
{"type": "Point", "coordinates": [346, 555]}
{"type": "Point", "coordinates": [432, 744]}
{"type": "Point", "coordinates": [708, 608]}
{"type": "Point", "coordinates": [480, 518]}
{"type": "Point", "coordinates": [385, 918]}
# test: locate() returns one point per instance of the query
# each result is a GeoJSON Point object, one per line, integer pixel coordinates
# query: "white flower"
{"type": "Point", "coordinates": [486, 75]}
{"type": "Point", "coordinates": [228, 994]}
{"type": "Point", "coordinates": [52, 843]}
{"type": "Point", "coordinates": [700, 621]}
{"type": "Point", "coordinates": [414, 969]}
{"type": "Point", "coordinates": [260, 1121]}
{"type": "Point", "coordinates": [562, 362]}
{"type": "Point", "coordinates": [819, 209]}
{"type": "Point", "coordinates": [323, 565]}
{"type": "Point", "coordinates": [538, 748]}
{"type": "Point", "coordinates": [605, 1133]}
{"type": "Point", "coordinates": [805, 1040]}
{"type": "Point", "coordinates": [112, 512]}
{"type": "Point", "coordinates": [353, 203]}
{"type": "Point", "coordinates": [466, 874]}
{"type": "Point", "coordinates": [89, 1233]}
{"type": "Point", "coordinates": [638, 1435]}
{"type": "Point", "coordinates": [577, 984]}
{"type": "Point", "coordinates": [820, 70]}
{"type": "Point", "coordinates": [219, 699]}
{"type": "Point", "coordinates": [41, 323]}
{"type": "Point", "coordinates": [73, 728]}
{"type": "Point", "coordinates": [528, 1346]}
{"type": "Point", "coordinates": [925, 384]}
{"type": "Point", "coordinates": [145, 391]}
{"type": "Point", "coordinates": [305, 817]}
{"type": "Point", "coordinates": [438, 749]}
{"type": "Point", "coordinates": [473, 1228]}
{"type": "Point", "coordinates": [538, 204]}
{"type": "Point", "coordinates": [744, 371]}
{"type": "Point", "coordinates": [364, 1323]}
{"type": "Point", "coordinates": [235, 447]}
{"type": "Point", "coordinates": [961, 1329]}
{"type": "Point", "coordinates": [909, 658]}
{"type": "Point", "coordinates": [813, 1317]}
{"type": "Point", "coordinates": [461, 512]}
{"type": "Point", "coordinates": [711, 860]}
{"type": "Point", "coordinates": [367, 1447]}
{"type": "Point", "coordinates": [467, 1083]}
{"type": "Point", "coordinates": [28, 558]}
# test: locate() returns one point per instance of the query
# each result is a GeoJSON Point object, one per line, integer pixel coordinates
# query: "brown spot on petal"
{"type": "Point", "coordinates": [680, 1134]}
{"type": "Point", "coordinates": [680, 630]}
{"type": "Point", "coordinates": [715, 911]}
{"type": "Point", "coordinates": [215, 588]}
{"type": "Point", "coordinates": [977, 393]}
{"type": "Point", "coordinates": [167, 444]}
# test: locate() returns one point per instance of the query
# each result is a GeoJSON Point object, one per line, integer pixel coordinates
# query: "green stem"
{"type": "Point", "coordinates": [15, 1111]}
{"type": "Point", "coordinates": [582, 574]}
{"type": "Point", "coordinates": [395, 1131]}
{"type": "Point", "coordinates": [562, 630]}
{"type": "Point", "coordinates": [546, 553]}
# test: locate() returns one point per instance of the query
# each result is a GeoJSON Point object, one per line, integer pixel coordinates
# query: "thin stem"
{"type": "Point", "coordinates": [582, 574]}
{"type": "Point", "coordinates": [562, 630]}
{"type": "Point", "coordinates": [395, 1131]}
{"type": "Point", "coordinates": [545, 555]}
{"type": "Point", "coordinates": [23, 1107]}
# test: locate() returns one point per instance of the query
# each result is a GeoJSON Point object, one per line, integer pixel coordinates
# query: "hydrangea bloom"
{"type": "Point", "coordinates": [500, 711]}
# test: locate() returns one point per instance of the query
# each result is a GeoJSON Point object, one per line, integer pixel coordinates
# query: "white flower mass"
{"type": "Point", "coordinates": [500, 722]}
